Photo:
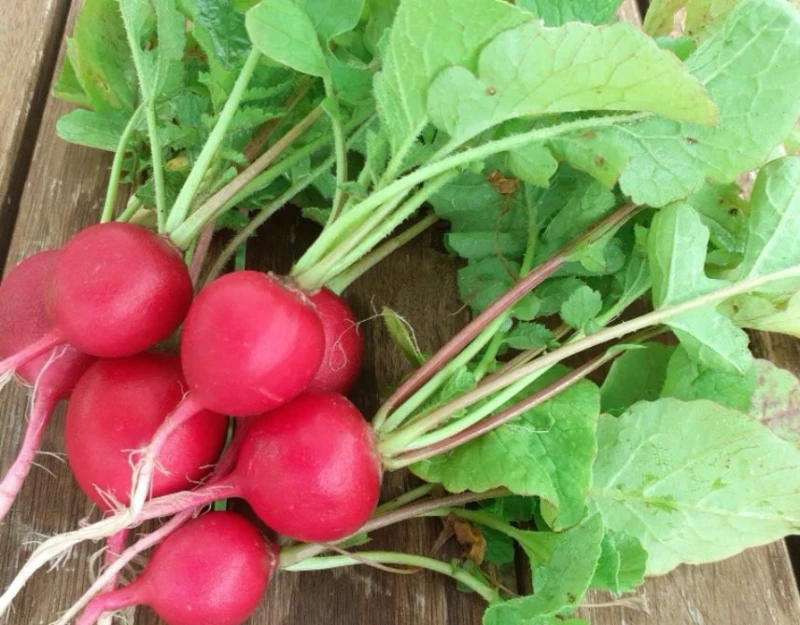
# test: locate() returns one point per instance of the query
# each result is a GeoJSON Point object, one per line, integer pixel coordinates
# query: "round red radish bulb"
{"type": "Point", "coordinates": [309, 469]}
{"type": "Point", "coordinates": [344, 348]}
{"type": "Point", "coordinates": [116, 408]}
{"type": "Point", "coordinates": [212, 571]}
{"type": "Point", "coordinates": [118, 289]}
{"type": "Point", "coordinates": [53, 375]}
{"type": "Point", "coordinates": [249, 344]}
{"type": "Point", "coordinates": [23, 320]}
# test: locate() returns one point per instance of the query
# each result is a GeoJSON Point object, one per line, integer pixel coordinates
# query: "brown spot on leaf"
{"type": "Point", "coordinates": [691, 140]}
{"type": "Point", "coordinates": [501, 183]}
{"type": "Point", "coordinates": [490, 90]}
{"type": "Point", "coordinates": [470, 536]}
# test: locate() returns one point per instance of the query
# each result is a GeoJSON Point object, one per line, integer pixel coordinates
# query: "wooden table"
{"type": "Point", "coordinates": [49, 189]}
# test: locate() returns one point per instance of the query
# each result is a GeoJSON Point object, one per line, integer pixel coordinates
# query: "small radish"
{"type": "Point", "coordinates": [309, 469]}
{"type": "Point", "coordinates": [116, 408]}
{"type": "Point", "coordinates": [52, 375]}
{"type": "Point", "coordinates": [313, 461]}
{"type": "Point", "coordinates": [116, 289]}
{"type": "Point", "coordinates": [212, 571]}
{"type": "Point", "coordinates": [344, 348]}
{"type": "Point", "coordinates": [249, 344]}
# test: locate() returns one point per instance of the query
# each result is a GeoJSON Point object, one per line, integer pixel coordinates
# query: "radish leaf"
{"type": "Point", "coordinates": [694, 482]}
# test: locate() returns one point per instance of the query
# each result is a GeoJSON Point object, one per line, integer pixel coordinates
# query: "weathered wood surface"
{"type": "Point", "coordinates": [63, 191]}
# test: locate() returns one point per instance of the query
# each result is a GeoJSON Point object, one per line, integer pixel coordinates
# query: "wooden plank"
{"type": "Point", "coordinates": [30, 33]}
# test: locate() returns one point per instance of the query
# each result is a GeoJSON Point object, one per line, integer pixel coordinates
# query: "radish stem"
{"type": "Point", "coordinates": [116, 166]}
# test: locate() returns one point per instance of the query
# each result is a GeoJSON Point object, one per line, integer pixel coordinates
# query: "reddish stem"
{"type": "Point", "coordinates": [42, 406]}
{"type": "Point", "coordinates": [110, 602]}
{"type": "Point", "coordinates": [37, 348]}
{"type": "Point", "coordinates": [503, 302]}
{"type": "Point", "coordinates": [504, 416]}
{"type": "Point", "coordinates": [200, 251]}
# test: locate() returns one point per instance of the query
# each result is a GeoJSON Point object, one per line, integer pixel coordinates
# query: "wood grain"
{"type": "Point", "coordinates": [64, 191]}
{"type": "Point", "coordinates": [30, 33]}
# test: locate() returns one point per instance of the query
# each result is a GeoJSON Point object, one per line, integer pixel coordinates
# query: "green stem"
{"type": "Point", "coordinates": [408, 407]}
{"type": "Point", "coordinates": [491, 352]}
{"type": "Point", "coordinates": [180, 210]}
{"type": "Point", "coordinates": [264, 214]}
{"type": "Point", "coordinates": [406, 498]}
{"type": "Point", "coordinates": [321, 563]}
{"type": "Point", "coordinates": [344, 279]}
{"type": "Point", "coordinates": [158, 166]}
{"type": "Point", "coordinates": [356, 246]}
{"type": "Point", "coordinates": [130, 210]}
{"type": "Point", "coordinates": [212, 208]}
{"type": "Point", "coordinates": [523, 375]}
{"type": "Point", "coordinates": [116, 166]}
{"type": "Point", "coordinates": [339, 148]}
{"type": "Point", "coordinates": [350, 219]}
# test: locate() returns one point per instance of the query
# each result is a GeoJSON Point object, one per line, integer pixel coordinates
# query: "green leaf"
{"type": "Point", "coordinates": [558, 12]}
{"type": "Point", "coordinates": [694, 482]}
{"type": "Point", "coordinates": [546, 452]}
{"type": "Point", "coordinates": [480, 283]}
{"type": "Point", "coordinates": [597, 155]}
{"type": "Point", "coordinates": [224, 27]}
{"type": "Point", "coordinates": [425, 38]}
{"type": "Point", "coordinates": [67, 87]}
{"type": "Point", "coordinates": [699, 13]}
{"type": "Point", "coordinates": [91, 129]}
{"type": "Point", "coordinates": [724, 213]}
{"type": "Point", "coordinates": [562, 565]}
{"type": "Point", "coordinates": [770, 313]}
{"type": "Point", "coordinates": [282, 31]}
{"type": "Point", "coordinates": [774, 221]}
{"type": "Point", "coordinates": [402, 336]}
{"type": "Point", "coordinates": [99, 55]}
{"type": "Point", "coordinates": [636, 375]}
{"type": "Point", "coordinates": [528, 335]}
{"type": "Point", "coordinates": [533, 163]}
{"type": "Point", "coordinates": [156, 35]}
{"type": "Point", "coordinates": [317, 214]}
{"type": "Point", "coordinates": [582, 306]}
{"type": "Point", "coordinates": [677, 248]}
{"type": "Point", "coordinates": [332, 18]}
{"type": "Point", "coordinates": [758, 97]}
{"type": "Point", "coordinates": [523, 72]}
{"type": "Point", "coordinates": [622, 563]}
{"type": "Point", "coordinates": [776, 401]}
{"type": "Point", "coordinates": [687, 380]}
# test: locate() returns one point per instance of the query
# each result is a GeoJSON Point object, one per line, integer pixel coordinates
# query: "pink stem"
{"type": "Point", "coordinates": [42, 406]}
{"type": "Point", "coordinates": [200, 251]}
{"type": "Point", "coordinates": [37, 348]}
{"type": "Point", "coordinates": [143, 476]}
{"type": "Point", "coordinates": [109, 602]}
{"type": "Point", "coordinates": [115, 545]}
{"type": "Point", "coordinates": [505, 415]}
{"type": "Point", "coordinates": [503, 302]}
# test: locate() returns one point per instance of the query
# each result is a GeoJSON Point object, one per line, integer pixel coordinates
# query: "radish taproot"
{"type": "Point", "coordinates": [116, 408]}
{"type": "Point", "coordinates": [249, 344]}
{"type": "Point", "coordinates": [115, 290]}
{"type": "Point", "coordinates": [344, 347]}
{"type": "Point", "coordinates": [52, 375]}
{"type": "Point", "coordinates": [213, 570]}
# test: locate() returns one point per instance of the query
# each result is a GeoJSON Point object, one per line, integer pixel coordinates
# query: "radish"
{"type": "Point", "coordinates": [249, 343]}
{"type": "Point", "coordinates": [344, 347]}
{"type": "Point", "coordinates": [53, 375]}
{"type": "Point", "coordinates": [116, 289]}
{"type": "Point", "coordinates": [115, 409]}
{"type": "Point", "coordinates": [309, 469]}
{"type": "Point", "coordinates": [213, 570]}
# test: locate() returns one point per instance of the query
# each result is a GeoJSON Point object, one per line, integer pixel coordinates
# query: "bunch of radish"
{"type": "Point", "coordinates": [79, 322]}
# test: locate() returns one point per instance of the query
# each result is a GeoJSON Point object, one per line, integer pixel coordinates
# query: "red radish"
{"type": "Point", "coordinates": [324, 459]}
{"type": "Point", "coordinates": [249, 343]}
{"type": "Point", "coordinates": [309, 469]}
{"type": "Point", "coordinates": [344, 348]}
{"type": "Point", "coordinates": [116, 289]}
{"type": "Point", "coordinates": [212, 571]}
{"type": "Point", "coordinates": [53, 375]}
{"type": "Point", "coordinates": [116, 408]}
